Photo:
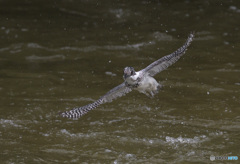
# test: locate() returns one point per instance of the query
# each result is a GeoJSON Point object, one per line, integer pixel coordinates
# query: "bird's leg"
{"type": "Point", "coordinates": [152, 94]}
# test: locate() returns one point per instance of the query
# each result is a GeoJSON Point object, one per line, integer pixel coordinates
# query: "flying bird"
{"type": "Point", "coordinates": [141, 81]}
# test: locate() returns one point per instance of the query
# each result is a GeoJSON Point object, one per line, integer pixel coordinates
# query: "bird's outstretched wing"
{"type": "Point", "coordinates": [164, 62]}
{"type": "Point", "coordinates": [116, 92]}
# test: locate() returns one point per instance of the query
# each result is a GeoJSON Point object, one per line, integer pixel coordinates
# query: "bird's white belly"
{"type": "Point", "coordinates": [148, 84]}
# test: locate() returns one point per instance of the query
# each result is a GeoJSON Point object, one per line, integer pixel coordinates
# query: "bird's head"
{"type": "Point", "coordinates": [128, 71]}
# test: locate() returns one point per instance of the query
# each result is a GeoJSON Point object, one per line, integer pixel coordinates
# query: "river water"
{"type": "Point", "coordinates": [56, 55]}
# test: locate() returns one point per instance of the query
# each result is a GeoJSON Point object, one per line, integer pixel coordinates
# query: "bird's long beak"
{"type": "Point", "coordinates": [127, 73]}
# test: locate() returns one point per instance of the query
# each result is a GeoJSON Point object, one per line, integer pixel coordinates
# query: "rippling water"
{"type": "Point", "coordinates": [58, 55]}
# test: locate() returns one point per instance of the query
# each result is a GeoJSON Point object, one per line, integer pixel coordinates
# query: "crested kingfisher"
{"type": "Point", "coordinates": [141, 81]}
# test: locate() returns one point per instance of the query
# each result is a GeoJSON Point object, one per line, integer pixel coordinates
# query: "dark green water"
{"type": "Point", "coordinates": [58, 55]}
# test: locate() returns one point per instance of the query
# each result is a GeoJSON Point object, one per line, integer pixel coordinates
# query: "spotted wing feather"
{"type": "Point", "coordinates": [166, 61]}
{"type": "Point", "coordinates": [116, 92]}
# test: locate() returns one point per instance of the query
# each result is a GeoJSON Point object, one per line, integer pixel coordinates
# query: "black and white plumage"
{"type": "Point", "coordinates": [142, 81]}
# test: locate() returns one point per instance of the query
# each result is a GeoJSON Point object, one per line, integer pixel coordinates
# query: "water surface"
{"type": "Point", "coordinates": [58, 55]}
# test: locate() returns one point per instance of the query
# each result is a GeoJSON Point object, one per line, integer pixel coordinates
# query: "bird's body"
{"type": "Point", "coordinates": [148, 86]}
{"type": "Point", "coordinates": [141, 81]}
